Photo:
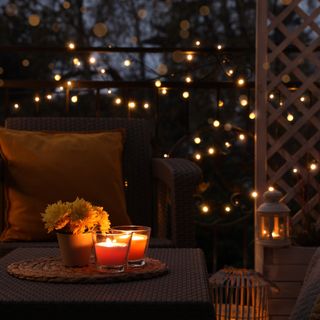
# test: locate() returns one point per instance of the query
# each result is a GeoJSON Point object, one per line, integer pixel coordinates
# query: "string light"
{"type": "Point", "coordinates": [189, 57]}
{"type": "Point", "coordinates": [185, 94]}
{"type": "Point", "coordinates": [57, 77]}
{"type": "Point", "coordinates": [252, 115]}
{"type": "Point", "coordinates": [271, 96]}
{"type": "Point", "coordinates": [230, 72]}
{"type": "Point", "coordinates": [146, 105]}
{"type": "Point", "coordinates": [197, 140]}
{"type": "Point", "coordinates": [49, 96]}
{"type": "Point", "coordinates": [197, 43]}
{"type": "Point", "coordinates": [205, 208]}
{"type": "Point", "coordinates": [295, 170]}
{"type": "Point", "coordinates": [227, 144]}
{"type": "Point", "coordinates": [227, 208]}
{"type": "Point", "coordinates": [254, 194]}
{"type": "Point", "coordinates": [71, 45]}
{"type": "Point", "coordinates": [313, 166]}
{"type": "Point", "coordinates": [216, 123]}
{"type": "Point", "coordinates": [211, 151]}
{"type": "Point", "coordinates": [197, 156]}
{"type": "Point", "coordinates": [131, 104]}
{"type": "Point", "coordinates": [302, 99]}
{"type": "Point", "coordinates": [92, 60]}
{"type": "Point", "coordinates": [127, 63]}
{"type": "Point", "coordinates": [271, 188]}
{"type": "Point", "coordinates": [220, 103]}
{"type": "Point", "coordinates": [37, 99]}
{"type": "Point", "coordinates": [16, 106]}
{"type": "Point", "coordinates": [166, 155]}
{"type": "Point", "coordinates": [103, 71]}
{"type": "Point", "coordinates": [117, 101]}
{"type": "Point", "coordinates": [241, 82]}
{"type": "Point", "coordinates": [243, 100]}
{"type": "Point", "coordinates": [157, 83]}
{"type": "Point", "coordinates": [188, 79]}
{"type": "Point", "coordinates": [69, 83]}
{"type": "Point", "coordinates": [76, 61]}
{"type": "Point", "coordinates": [164, 91]}
{"type": "Point", "coordinates": [74, 99]}
{"type": "Point", "coordinates": [219, 46]}
{"type": "Point", "coordinates": [290, 117]}
{"type": "Point", "coordinates": [242, 137]}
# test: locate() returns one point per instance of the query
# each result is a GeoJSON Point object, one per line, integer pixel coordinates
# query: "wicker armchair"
{"type": "Point", "coordinates": [160, 191]}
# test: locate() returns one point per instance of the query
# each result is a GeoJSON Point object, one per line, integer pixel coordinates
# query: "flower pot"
{"type": "Point", "coordinates": [75, 249]}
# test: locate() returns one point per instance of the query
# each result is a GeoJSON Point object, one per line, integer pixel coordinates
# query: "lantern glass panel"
{"type": "Point", "coordinates": [273, 226]}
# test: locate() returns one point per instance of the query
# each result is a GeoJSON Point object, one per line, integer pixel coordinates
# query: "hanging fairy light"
{"type": "Point", "coordinates": [197, 156]}
{"type": "Point", "coordinates": [188, 79]}
{"type": "Point", "coordinates": [49, 96]}
{"type": "Point", "coordinates": [16, 106]}
{"type": "Point", "coordinates": [205, 208]}
{"type": "Point", "coordinates": [241, 82]}
{"type": "Point", "coordinates": [57, 77]}
{"type": "Point", "coordinates": [74, 99]}
{"type": "Point", "coordinates": [290, 117]}
{"type": "Point", "coordinates": [227, 208]}
{"type": "Point", "coordinates": [92, 60]}
{"type": "Point", "coordinates": [185, 94]}
{"type": "Point", "coordinates": [127, 63]}
{"type": "Point", "coordinates": [131, 104]}
{"type": "Point", "coordinates": [216, 123]}
{"type": "Point", "coordinates": [211, 151]}
{"type": "Point", "coordinates": [117, 101]}
{"type": "Point", "coordinates": [71, 45]}
{"type": "Point", "coordinates": [157, 83]}
{"type": "Point", "coordinates": [164, 91]}
{"type": "Point", "coordinates": [252, 115]}
{"type": "Point", "coordinates": [197, 140]}
{"type": "Point", "coordinates": [146, 105]}
{"type": "Point", "coordinates": [219, 46]}
{"type": "Point", "coordinates": [37, 99]}
{"type": "Point", "coordinates": [189, 57]}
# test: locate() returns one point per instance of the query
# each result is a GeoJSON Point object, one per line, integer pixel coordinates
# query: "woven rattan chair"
{"type": "Point", "coordinates": [160, 191]}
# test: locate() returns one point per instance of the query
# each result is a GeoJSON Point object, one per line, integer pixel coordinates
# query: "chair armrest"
{"type": "Point", "coordinates": [176, 183]}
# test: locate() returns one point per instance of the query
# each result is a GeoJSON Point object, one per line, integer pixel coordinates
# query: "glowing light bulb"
{"type": "Point", "coordinates": [241, 82]}
{"type": "Point", "coordinates": [252, 115]}
{"type": "Point", "coordinates": [295, 170]}
{"type": "Point", "coordinates": [76, 61]}
{"type": "Point", "coordinates": [49, 96]}
{"type": "Point", "coordinates": [302, 99]}
{"type": "Point", "coordinates": [197, 156]}
{"type": "Point", "coordinates": [220, 103]}
{"type": "Point", "coordinates": [157, 83]}
{"type": "Point", "coordinates": [227, 144]}
{"type": "Point", "coordinates": [57, 77]}
{"type": "Point", "coordinates": [103, 71]}
{"type": "Point", "coordinates": [219, 46]}
{"type": "Point", "coordinates": [16, 106]}
{"type": "Point", "coordinates": [271, 188]}
{"type": "Point", "coordinates": [164, 91]}
{"type": "Point", "coordinates": [127, 63]}
{"type": "Point", "coordinates": [211, 151]}
{"type": "Point", "coordinates": [197, 43]}
{"type": "Point", "coordinates": [69, 83]}
{"type": "Point", "coordinates": [165, 155]}
{"type": "Point", "coordinates": [185, 94]}
{"type": "Point", "coordinates": [188, 79]}
{"type": "Point", "coordinates": [205, 208]}
{"type": "Point", "coordinates": [313, 166]}
{"type": "Point", "coordinates": [74, 99]}
{"type": "Point", "coordinates": [290, 117]}
{"type": "Point", "coordinates": [36, 98]}
{"type": "Point", "coordinates": [197, 140]}
{"type": "Point", "coordinates": [230, 72]}
{"type": "Point", "coordinates": [189, 57]}
{"type": "Point", "coordinates": [242, 137]}
{"type": "Point", "coordinates": [216, 123]}
{"type": "Point", "coordinates": [254, 194]}
{"type": "Point", "coordinates": [227, 209]}
{"type": "Point", "coordinates": [71, 46]}
{"type": "Point", "coordinates": [146, 105]}
{"type": "Point", "coordinates": [117, 100]}
{"type": "Point", "coordinates": [92, 60]}
{"type": "Point", "coordinates": [131, 104]}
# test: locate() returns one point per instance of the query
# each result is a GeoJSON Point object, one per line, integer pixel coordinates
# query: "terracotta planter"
{"type": "Point", "coordinates": [75, 249]}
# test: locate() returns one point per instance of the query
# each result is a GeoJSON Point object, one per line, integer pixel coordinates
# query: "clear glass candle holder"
{"type": "Point", "coordinates": [139, 243]}
{"type": "Point", "coordinates": [111, 251]}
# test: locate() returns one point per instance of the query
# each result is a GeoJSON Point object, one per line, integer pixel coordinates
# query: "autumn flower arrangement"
{"type": "Point", "coordinates": [75, 217]}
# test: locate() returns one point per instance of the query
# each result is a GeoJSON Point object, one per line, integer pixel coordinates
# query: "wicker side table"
{"type": "Point", "coordinates": [183, 293]}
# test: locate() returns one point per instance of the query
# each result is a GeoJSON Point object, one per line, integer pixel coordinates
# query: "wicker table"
{"type": "Point", "coordinates": [183, 293]}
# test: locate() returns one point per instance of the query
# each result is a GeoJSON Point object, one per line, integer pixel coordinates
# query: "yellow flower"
{"type": "Point", "coordinates": [75, 217]}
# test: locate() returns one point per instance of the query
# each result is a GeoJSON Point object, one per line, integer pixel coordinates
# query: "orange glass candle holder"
{"type": "Point", "coordinates": [139, 243]}
{"type": "Point", "coordinates": [111, 251]}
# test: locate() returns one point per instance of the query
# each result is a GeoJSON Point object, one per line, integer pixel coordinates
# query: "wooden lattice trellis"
{"type": "Point", "coordinates": [288, 103]}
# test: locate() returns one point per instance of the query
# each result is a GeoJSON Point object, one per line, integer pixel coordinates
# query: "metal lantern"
{"type": "Point", "coordinates": [273, 221]}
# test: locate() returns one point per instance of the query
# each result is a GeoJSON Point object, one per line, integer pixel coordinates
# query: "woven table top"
{"type": "Point", "coordinates": [182, 293]}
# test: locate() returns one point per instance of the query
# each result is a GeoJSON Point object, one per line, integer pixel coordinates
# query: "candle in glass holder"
{"type": "Point", "coordinates": [139, 243]}
{"type": "Point", "coordinates": [111, 251]}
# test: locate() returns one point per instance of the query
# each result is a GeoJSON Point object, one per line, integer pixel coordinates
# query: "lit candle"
{"type": "Point", "coordinates": [138, 246]}
{"type": "Point", "coordinates": [111, 253]}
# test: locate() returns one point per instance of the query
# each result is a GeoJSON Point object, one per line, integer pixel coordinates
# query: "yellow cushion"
{"type": "Point", "coordinates": [42, 168]}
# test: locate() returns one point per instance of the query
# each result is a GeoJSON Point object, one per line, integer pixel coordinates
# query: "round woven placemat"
{"type": "Point", "coordinates": [51, 269]}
